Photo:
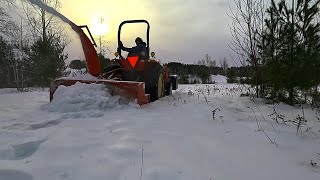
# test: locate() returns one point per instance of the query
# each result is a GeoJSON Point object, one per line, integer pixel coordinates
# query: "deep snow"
{"type": "Point", "coordinates": [87, 134]}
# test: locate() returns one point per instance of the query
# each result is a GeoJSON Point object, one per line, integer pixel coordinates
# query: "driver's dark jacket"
{"type": "Point", "coordinates": [140, 49]}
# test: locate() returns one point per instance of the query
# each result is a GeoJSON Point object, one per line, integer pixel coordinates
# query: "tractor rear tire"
{"type": "Point", "coordinates": [160, 85]}
{"type": "Point", "coordinates": [154, 81]}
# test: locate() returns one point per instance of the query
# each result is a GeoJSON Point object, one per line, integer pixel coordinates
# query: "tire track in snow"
{"type": "Point", "coordinates": [20, 151]}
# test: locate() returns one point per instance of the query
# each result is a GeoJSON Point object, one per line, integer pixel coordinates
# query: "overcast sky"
{"type": "Point", "coordinates": [181, 30]}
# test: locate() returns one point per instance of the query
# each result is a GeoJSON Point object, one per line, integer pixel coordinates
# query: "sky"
{"type": "Point", "coordinates": [181, 30]}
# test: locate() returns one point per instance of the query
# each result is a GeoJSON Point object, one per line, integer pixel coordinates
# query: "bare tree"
{"type": "Point", "coordinates": [224, 65]}
{"type": "Point", "coordinates": [3, 19]}
{"type": "Point", "coordinates": [12, 33]}
{"type": "Point", "coordinates": [246, 29]}
{"type": "Point", "coordinates": [9, 2]}
{"type": "Point", "coordinates": [103, 45]}
{"type": "Point", "coordinates": [17, 66]}
{"type": "Point", "coordinates": [7, 25]}
{"type": "Point", "coordinates": [43, 24]}
{"type": "Point", "coordinates": [213, 63]}
{"type": "Point", "coordinates": [103, 48]}
{"type": "Point", "coordinates": [207, 61]}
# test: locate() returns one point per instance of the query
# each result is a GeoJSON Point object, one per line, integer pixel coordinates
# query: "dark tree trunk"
{"type": "Point", "coordinates": [291, 96]}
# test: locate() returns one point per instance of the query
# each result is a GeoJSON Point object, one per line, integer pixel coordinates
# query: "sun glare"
{"type": "Point", "coordinates": [99, 26]}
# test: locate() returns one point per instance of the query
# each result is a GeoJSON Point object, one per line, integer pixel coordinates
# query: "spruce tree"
{"type": "Point", "coordinates": [46, 62]}
{"type": "Point", "coordinates": [6, 55]}
{"type": "Point", "coordinates": [290, 46]}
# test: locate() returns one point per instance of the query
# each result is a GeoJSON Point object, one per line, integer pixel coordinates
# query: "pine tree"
{"type": "Point", "coordinates": [290, 46]}
{"type": "Point", "coordinates": [309, 43]}
{"type": "Point", "coordinates": [231, 75]}
{"type": "Point", "coordinates": [104, 62]}
{"type": "Point", "coordinates": [6, 55]}
{"type": "Point", "coordinates": [270, 46]}
{"type": "Point", "coordinates": [183, 77]}
{"type": "Point", "coordinates": [46, 62]}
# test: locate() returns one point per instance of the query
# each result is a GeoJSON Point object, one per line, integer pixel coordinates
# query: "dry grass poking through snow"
{"type": "Point", "coordinates": [200, 132]}
{"type": "Point", "coordinates": [272, 120]}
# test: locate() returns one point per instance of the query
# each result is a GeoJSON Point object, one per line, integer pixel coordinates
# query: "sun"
{"type": "Point", "coordinates": [99, 26]}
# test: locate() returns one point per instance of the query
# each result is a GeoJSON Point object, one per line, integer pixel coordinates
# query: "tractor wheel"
{"type": "Point", "coordinates": [154, 82]}
{"type": "Point", "coordinates": [168, 91]}
{"type": "Point", "coordinates": [160, 86]}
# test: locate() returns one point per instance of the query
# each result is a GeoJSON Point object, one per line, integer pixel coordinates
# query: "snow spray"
{"type": "Point", "coordinates": [89, 51]}
{"type": "Point", "coordinates": [50, 10]}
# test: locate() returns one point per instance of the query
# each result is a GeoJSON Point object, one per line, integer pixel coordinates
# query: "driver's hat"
{"type": "Point", "coordinates": [138, 39]}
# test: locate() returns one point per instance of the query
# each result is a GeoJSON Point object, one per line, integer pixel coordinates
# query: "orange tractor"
{"type": "Point", "coordinates": [139, 77]}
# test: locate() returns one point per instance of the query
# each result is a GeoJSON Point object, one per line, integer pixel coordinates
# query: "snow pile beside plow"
{"type": "Point", "coordinates": [85, 98]}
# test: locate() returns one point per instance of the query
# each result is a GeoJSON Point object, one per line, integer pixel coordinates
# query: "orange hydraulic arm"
{"type": "Point", "coordinates": [90, 52]}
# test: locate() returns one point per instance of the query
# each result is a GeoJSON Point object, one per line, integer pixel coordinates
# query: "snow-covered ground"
{"type": "Point", "coordinates": [219, 79]}
{"type": "Point", "coordinates": [86, 134]}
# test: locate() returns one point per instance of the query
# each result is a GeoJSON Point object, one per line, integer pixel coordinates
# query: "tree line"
{"type": "Point", "coordinates": [32, 49]}
{"type": "Point", "coordinates": [201, 73]}
{"type": "Point", "coordinates": [32, 45]}
{"type": "Point", "coordinates": [33, 53]}
{"type": "Point", "coordinates": [280, 40]}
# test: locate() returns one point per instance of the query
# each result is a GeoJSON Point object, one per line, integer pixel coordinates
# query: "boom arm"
{"type": "Point", "coordinates": [90, 52]}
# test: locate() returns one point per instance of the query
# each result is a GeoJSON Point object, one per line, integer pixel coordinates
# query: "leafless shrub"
{"type": "Point", "coordinates": [141, 169]}
{"type": "Point", "coordinates": [190, 93]}
{"type": "Point", "coordinates": [299, 121]}
{"type": "Point", "coordinates": [214, 113]}
{"type": "Point", "coordinates": [261, 129]}
{"type": "Point", "coordinates": [221, 117]}
{"type": "Point", "coordinates": [313, 163]}
{"type": "Point", "coordinates": [206, 99]}
{"type": "Point", "coordinates": [276, 116]}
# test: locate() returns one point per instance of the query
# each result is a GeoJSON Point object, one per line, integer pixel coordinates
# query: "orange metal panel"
{"type": "Point", "coordinates": [90, 52]}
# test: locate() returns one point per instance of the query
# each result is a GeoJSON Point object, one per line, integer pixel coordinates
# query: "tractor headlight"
{"type": "Point", "coordinates": [153, 54]}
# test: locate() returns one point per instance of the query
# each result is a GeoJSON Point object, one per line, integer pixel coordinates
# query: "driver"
{"type": "Point", "coordinates": [140, 48]}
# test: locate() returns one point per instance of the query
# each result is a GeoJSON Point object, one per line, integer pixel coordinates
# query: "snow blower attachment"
{"type": "Point", "coordinates": [137, 76]}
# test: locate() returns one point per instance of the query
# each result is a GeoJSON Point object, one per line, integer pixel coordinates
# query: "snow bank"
{"type": "Point", "coordinates": [28, 89]}
{"type": "Point", "coordinates": [219, 79]}
{"type": "Point", "coordinates": [85, 98]}
{"type": "Point", "coordinates": [8, 90]}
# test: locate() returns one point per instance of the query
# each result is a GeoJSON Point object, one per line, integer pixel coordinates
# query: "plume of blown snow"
{"type": "Point", "coordinates": [50, 10]}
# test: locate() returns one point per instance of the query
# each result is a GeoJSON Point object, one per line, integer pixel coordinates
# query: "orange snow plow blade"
{"type": "Point", "coordinates": [127, 88]}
